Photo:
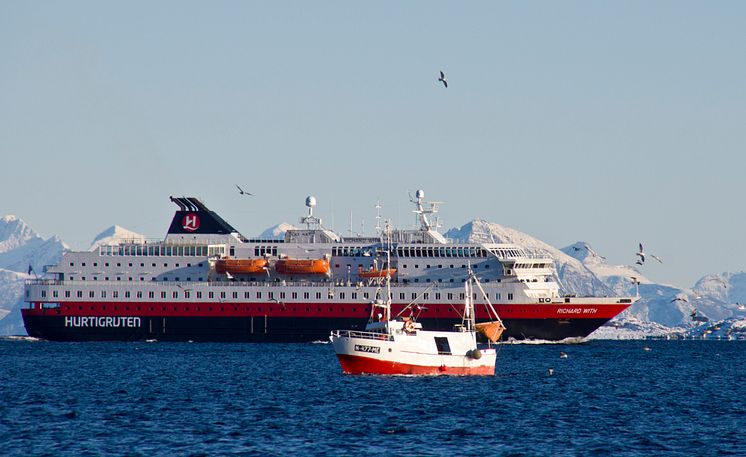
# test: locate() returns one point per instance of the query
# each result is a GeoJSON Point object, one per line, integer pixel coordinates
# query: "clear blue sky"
{"type": "Point", "coordinates": [609, 123]}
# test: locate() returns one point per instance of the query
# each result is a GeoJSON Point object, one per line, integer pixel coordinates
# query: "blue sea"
{"type": "Point", "coordinates": [626, 398]}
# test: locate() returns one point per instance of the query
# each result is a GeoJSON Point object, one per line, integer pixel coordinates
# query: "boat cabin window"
{"type": "Point", "coordinates": [441, 342]}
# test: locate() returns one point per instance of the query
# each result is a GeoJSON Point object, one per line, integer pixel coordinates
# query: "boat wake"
{"type": "Point", "coordinates": [320, 342]}
{"type": "Point", "coordinates": [577, 340]}
{"type": "Point", "coordinates": [20, 338]}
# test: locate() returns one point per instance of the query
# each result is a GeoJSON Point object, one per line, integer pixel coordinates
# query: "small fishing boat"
{"type": "Point", "coordinates": [397, 345]}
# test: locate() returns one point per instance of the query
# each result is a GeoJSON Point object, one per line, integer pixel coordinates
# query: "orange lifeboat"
{"type": "Point", "coordinates": [302, 266]}
{"type": "Point", "coordinates": [375, 273]}
{"type": "Point", "coordinates": [240, 266]}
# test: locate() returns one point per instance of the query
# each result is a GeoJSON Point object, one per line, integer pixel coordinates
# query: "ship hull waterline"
{"type": "Point", "coordinates": [54, 327]}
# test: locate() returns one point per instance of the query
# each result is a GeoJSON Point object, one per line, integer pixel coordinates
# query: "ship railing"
{"type": "Point", "coordinates": [362, 335]}
{"type": "Point", "coordinates": [267, 284]}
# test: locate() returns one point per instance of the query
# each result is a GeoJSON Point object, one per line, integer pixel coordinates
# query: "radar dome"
{"type": "Point", "coordinates": [310, 201]}
{"type": "Point", "coordinates": [420, 194]}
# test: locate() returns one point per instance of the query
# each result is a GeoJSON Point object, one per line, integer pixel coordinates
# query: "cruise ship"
{"type": "Point", "coordinates": [207, 282]}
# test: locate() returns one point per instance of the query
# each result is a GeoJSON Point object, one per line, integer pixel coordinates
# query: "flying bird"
{"type": "Point", "coordinates": [641, 255]}
{"type": "Point", "coordinates": [241, 191]}
{"type": "Point", "coordinates": [679, 299]}
{"type": "Point", "coordinates": [443, 79]}
{"type": "Point", "coordinates": [656, 258]}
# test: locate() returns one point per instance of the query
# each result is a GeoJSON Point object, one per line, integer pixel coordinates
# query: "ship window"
{"type": "Point", "coordinates": [342, 295]}
{"type": "Point", "coordinates": [270, 295]}
{"type": "Point", "coordinates": [115, 294]}
{"type": "Point", "coordinates": [354, 295]}
{"type": "Point", "coordinates": [163, 294]}
{"type": "Point", "coordinates": [294, 295]}
{"type": "Point", "coordinates": [365, 295]}
{"type": "Point", "coordinates": [83, 278]}
{"type": "Point", "coordinates": [187, 294]}
{"type": "Point", "coordinates": [437, 296]}
{"type": "Point", "coordinates": [54, 293]}
{"type": "Point", "coordinates": [199, 295]}
{"type": "Point", "coordinates": [126, 294]}
{"type": "Point", "coordinates": [151, 294]}
{"type": "Point", "coordinates": [401, 295]}
{"type": "Point", "coordinates": [450, 296]}
{"type": "Point", "coordinates": [414, 296]}
{"type": "Point", "coordinates": [211, 295]}
{"type": "Point", "coordinates": [177, 265]}
{"type": "Point", "coordinates": [95, 278]}
{"type": "Point", "coordinates": [222, 294]}
{"type": "Point", "coordinates": [510, 295]}
{"type": "Point", "coordinates": [67, 294]}
{"type": "Point", "coordinates": [245, 295]}
{"type": "Point", "coordinates": [441, 342]}
{"type": "Point", "coordinates": [175, 294]}
{"type": "Point", "coordinates": [119, 264]}
{"type": "Point", "coordinates": [235, 295]}
{"type": "Point", "coordinates": [426, 296]}
{"type": "Point", "coordinates": [318, 295]}
{"type": "Point", "coordinates": [165, 264]}
{"type": "Point", "coordinates": [91, 294]}
{"type": "Point", "coordinates": [416, 266]}
{"type": "Point", "coordinates": [139, 294]}
{"type": "Point", "coordinates": [83, 263]}
{"type": "Point", "coordinates": [72, 264]}
{"type": "Point", "coordinates": [258, 295]}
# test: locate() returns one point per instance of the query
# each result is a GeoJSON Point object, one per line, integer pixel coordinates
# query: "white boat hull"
{"type": "Point", "coordinates": [416, 353]}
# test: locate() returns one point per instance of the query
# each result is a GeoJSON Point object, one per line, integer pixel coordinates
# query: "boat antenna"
{"type": "Point", "coordinates": [378, 216]}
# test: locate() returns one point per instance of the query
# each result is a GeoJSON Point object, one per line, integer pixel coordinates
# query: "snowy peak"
{"type": "Point", "coordinates": [14, 233]}
{"type": "Point", "coordinates": [21, 246]}
{"type": "Point", "coordinates": [277, 232]}
{"type": "Point", "coordinates": [113, 235]}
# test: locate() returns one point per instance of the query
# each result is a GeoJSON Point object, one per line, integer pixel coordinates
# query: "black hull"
{"type": "Point", "coordinates": [276, 329]}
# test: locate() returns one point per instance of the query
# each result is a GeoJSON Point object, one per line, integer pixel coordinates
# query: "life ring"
{"type": "Point", "coordinates": [409, 326]}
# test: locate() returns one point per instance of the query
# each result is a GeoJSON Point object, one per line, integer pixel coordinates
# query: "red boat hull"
{"type": "Point", "coordinates": [364, 365]}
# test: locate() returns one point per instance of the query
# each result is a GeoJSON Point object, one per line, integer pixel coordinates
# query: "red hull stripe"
{"type": "Point", "coordinates": [316, 310]}
{"type": "Point", "coordinates": [363, 365]}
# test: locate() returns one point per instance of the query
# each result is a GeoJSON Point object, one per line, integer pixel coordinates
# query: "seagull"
{"type": "Point", "coordinates": [679, 299]}
{"type": "Point", "coordinates": [641, 254]}
{"type": "Point", "coordinates": [563, 355]}
{"type": "Point", "coordinates": [550, 371]}
{"type": "Point", "coordinates": [443, 79]}
{"type": "Point", "coordinates": [634, 280]}
{"type": "Point", "coordinates": [656, 258]}
{"type": "Point", "coordinates": [241, 191]}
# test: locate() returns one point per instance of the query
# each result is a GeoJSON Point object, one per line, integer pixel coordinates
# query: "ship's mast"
{"type": "Point", "coordinates": [424, 209]}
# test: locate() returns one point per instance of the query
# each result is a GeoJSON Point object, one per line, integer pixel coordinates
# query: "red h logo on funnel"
{"type": "Point", "coordinates": [190, 222]}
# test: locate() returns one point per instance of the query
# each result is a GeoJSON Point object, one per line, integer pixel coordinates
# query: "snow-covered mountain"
{"type": "Point", "coordinates": [277, 232]}
{"type": "Point", "coordinates": [21, 246]}
{"type": "Point", "coordinates": [113, 235]}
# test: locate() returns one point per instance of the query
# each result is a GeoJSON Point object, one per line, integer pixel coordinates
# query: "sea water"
{"type": "Point", "coordinates": [621, 398]}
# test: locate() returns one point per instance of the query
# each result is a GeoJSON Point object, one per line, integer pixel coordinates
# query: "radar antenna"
{"type": "Point", "coordinates": [424, 209]}
{"type": "Point", "coordinates": [310, 220]}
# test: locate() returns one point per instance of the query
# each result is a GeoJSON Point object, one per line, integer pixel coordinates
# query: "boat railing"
{"type": "Point", "coordinates": [363, 335]}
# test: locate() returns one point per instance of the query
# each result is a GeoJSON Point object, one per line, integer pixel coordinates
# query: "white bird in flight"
{"type": "Point", "coordinates": [443, 78]}
{"type": "Point", "coordinates": [241, 191]}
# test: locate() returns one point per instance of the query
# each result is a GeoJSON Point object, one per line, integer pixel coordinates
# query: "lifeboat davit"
{"type": "Point", "coordinates": [241, 266]}
{"type": "Point", "coordinates": [302, 266]}
{"type": "Point", "coordinates": [375, 273]}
